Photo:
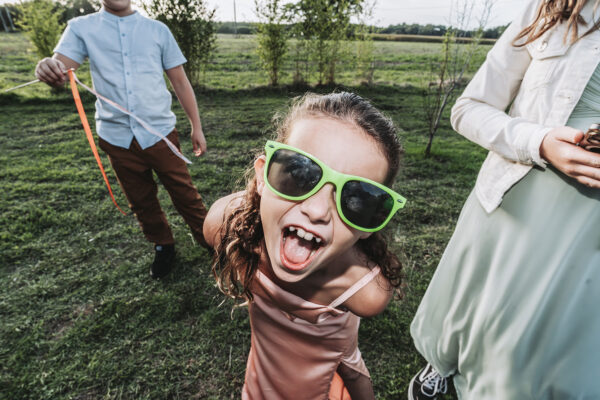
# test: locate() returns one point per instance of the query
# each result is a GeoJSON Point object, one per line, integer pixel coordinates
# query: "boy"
{"type": "Point", "coordinates": [128, 54]}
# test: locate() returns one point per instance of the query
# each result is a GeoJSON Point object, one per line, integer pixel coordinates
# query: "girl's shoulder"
{"type": "Point", "coordinates": [374, 290]}
{"type": "Point", "coordinates": [217, 215]}
{"type": "Point", "coordinates": [372, 298]}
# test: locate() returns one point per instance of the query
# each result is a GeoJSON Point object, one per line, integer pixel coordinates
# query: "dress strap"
{"type": "Point", "coordinates": [362, 282]}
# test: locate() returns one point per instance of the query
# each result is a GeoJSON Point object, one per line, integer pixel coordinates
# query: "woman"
{"type": "Point", "coordinates": [512, 307]}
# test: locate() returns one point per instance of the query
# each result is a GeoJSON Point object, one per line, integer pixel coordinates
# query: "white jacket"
{"type": "Point", "coordinates": [543, 80]}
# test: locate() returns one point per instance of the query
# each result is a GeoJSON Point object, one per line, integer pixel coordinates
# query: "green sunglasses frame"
{"type": "Point", "coordinates": [338, 179]}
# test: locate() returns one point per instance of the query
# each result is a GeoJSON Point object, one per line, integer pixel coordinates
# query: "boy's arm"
{"type": "Point", "coordinates": [187, 98]}
{"type": "Point", "coordinates": [52, 70]}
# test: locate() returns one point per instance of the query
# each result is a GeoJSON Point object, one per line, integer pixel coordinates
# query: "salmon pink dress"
{"type": "Point", "coordinates": [298, 345]}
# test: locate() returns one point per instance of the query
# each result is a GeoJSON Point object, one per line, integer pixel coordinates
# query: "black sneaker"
{"type": "Point", "coordinates": [164, 258]}
{"type": "Point", "coordinates": [427, 384]}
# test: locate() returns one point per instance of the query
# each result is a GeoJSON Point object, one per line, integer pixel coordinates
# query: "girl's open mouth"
{"type": "Point", "coordinates": [298, 247]}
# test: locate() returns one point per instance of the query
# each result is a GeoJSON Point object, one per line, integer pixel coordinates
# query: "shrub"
{"type": "Point", "coordinates": [271, 37]}
{"type": "Point", "coordinates": [193, 27]}
{"type": "Point", "coordinates": [322, 25]}
{"type": "Point", "coordinates": [40, 20]}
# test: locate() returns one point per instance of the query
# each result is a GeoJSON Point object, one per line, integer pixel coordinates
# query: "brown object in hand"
{"type": "Point", "coordinates": [591, 140]}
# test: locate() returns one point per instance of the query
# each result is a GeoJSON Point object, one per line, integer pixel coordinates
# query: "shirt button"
{"type": "Point", "coordinates": [128, 73]}
{"type": "Point", "coordinates": [125, 54]}
{"type": "Point", "coordinates": [543, 45]}
{"type": "Point", "coordinates": [130, 92]}
{"type": "Point", "coordinates": [122, 34]}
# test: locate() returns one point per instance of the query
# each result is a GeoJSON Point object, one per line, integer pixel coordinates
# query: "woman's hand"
{"type": "Point", "coordinates": [560, 149]}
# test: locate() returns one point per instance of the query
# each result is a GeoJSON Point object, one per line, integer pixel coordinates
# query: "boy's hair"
{"type": "Point", "coordinates": [554, 12]}
{"type": "Point", "coordinates": [237, 256]}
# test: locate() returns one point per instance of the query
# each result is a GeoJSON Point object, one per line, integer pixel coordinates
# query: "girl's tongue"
{"type": "Point", "coordinates": [297, 251]}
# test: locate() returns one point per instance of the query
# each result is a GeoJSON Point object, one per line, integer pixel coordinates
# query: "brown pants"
{"type": "Point", "coordinates": [134, 168]}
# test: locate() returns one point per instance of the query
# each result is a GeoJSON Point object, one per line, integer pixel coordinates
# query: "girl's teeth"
{"type": "Point", "coordinates": [304, 235]}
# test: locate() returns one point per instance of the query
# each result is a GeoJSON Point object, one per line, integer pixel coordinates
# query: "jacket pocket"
{"type": "Point", "coordinates": [546, 54]}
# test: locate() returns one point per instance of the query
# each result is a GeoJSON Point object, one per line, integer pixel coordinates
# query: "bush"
{"type": "Point", "coordinates": [40, 20]}
{"type": "Point", "coordinates": [323, 25]}
{"type": "Point", "coordinates": [193, 27]}
{"type": "Point", "coordinates": [271, 37]}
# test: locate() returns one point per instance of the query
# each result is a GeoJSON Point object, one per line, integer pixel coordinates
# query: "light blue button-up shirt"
{"type": "Point", "coordinates": [127, 58]}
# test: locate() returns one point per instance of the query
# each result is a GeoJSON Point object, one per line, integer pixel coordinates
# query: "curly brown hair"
{"type": "Point", "coordinates": [553, 12]}
{"type": "Point", "coordinates": [238, 254]}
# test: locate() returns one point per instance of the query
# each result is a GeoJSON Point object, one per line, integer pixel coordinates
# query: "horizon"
{"type": "Point", "coordinates": [385, 13]}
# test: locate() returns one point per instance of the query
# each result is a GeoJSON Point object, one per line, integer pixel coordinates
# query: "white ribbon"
{"type": "Point", "coordinates": [146, 126]}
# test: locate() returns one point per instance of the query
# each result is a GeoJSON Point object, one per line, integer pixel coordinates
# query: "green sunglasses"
{"type": "Point", "coordinates": [363, 204]}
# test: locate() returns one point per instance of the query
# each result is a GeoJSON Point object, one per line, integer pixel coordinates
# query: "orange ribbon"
{"type": "Point", "coordinates": [88, 133]}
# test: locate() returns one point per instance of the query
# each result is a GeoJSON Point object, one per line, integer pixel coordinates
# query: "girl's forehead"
{"type": "Point", "coordinates": [341, 145]}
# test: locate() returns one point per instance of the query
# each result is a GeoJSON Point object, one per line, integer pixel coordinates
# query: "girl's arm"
{"type": "Point", "coordinates": [372, 299]}
{"type": "Point", "coordinates": [187, 98]}
{"type": "Point", "coordinates": [217, 214]}
{"type": "Point", "coordinates": [479, 113]}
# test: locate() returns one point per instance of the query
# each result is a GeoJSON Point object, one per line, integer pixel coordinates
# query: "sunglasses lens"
{"type": "Point", "coordinates": [292, 174]}
{"type": "Point", "coordinates": [365, 205]}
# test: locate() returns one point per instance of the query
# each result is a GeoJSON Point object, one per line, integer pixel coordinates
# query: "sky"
{"type": "Point", "coordinates": [390, 12]}
{"type": "Point", "coordinates": [386, 12]}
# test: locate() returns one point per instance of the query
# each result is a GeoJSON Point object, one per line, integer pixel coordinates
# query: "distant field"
{"type": "Point", "coordinates": [423, 38]}
{"type": "Point", "coordinates": [80, 317]}
{"type": "Point", "coordinates": [235, 65]}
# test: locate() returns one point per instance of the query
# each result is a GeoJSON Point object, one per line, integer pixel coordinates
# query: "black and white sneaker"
{"type": "Point", "coordinates": [164, 258]}
{"type": "Point", "coordinates": [427, 384]}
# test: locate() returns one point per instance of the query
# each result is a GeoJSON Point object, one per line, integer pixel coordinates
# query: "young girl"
{"type": "Point", "coordinates": [512, 309]}
{"type": "Point", "coordinates": [301, 245]}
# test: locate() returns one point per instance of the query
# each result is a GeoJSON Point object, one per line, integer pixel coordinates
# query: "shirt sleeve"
{"type": "Point", "coordinates": [171, 53]}
{"type": "Point", "coordinates": [72, 45]}
{"type": "Point", "coordinates": [479, 114]}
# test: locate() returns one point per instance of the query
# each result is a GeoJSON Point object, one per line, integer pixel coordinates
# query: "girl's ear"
{"type": "Point", "coordinates": [259, 171]}
{"type": "Point", "coordinates": [364, 235]}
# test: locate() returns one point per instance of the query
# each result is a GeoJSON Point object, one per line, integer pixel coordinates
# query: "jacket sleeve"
{"type": "Point", "coordinates": [479, 113]}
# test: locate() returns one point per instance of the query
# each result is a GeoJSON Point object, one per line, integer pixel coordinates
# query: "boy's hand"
{"type": "Point", "coordinates": [198, 142]}
{"type": "Point", "coordinates": [51, 71]}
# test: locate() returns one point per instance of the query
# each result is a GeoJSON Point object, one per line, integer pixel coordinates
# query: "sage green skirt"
{"type": "Point", "coordinates": [513, 308]}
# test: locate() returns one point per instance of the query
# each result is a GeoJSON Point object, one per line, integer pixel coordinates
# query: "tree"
{"type": "Point", "coordinates": [456, 59]}
{"type": "Point", "coordinates": [324, 24]}
{"type": "Point", "coordinates": [272, 37]}
{"type": "Point", "coordinates": [75, 8]}
{"type": "Point", "coordinates": [193, 27]}
{"type": "Point", "coordinates": [40, 20]}
{"type": "Point", "coordinates": [363, 35]}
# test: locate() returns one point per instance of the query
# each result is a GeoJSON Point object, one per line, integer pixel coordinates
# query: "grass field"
{"type": "Point", "coordinates": [80, 317]}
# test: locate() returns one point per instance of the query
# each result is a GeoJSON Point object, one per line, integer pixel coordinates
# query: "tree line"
{"type": "Point", "coordinates": [68, 9]}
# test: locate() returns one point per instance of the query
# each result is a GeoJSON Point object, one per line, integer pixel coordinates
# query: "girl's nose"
{"type": "Point", "coordinates": [319, 207]}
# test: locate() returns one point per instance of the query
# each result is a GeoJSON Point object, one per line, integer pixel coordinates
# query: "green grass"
{"type": "Point", "coordinates": [80, 317]}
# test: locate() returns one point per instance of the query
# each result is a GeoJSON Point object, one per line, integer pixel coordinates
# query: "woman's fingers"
{"type": "Point", "coordinates": [560, 149]}
{"type": "Point", "coordinates": [586, 168]}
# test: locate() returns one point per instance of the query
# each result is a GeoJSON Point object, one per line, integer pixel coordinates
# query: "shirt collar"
{"type": "Point", "coordinates": [113, 17]}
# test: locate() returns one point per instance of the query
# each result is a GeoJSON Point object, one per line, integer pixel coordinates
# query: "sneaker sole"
{"type": "Point", "coordinates": [410, 385]}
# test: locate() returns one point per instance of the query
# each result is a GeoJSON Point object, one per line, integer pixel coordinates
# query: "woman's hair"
{"type": "Point", "coordinates": [554, 12]}
{"type": "Point", "coordinates": [237, 256]}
